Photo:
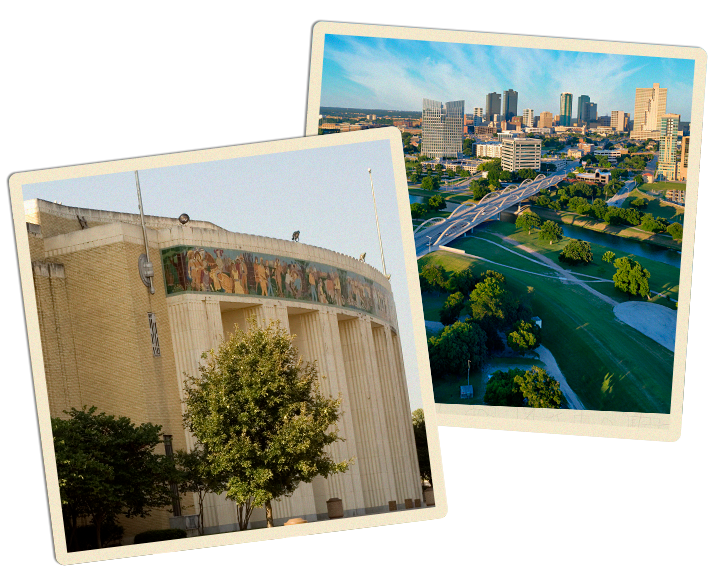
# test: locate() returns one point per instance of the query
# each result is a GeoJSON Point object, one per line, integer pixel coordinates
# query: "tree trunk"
{"type": "Point", "coordinates": [98, 523]}
{"type": "Point", "coordinates": [269, 514]}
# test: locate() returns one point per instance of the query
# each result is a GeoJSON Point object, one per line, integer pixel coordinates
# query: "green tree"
{"type": "Point", "coordinates": [463, 281]}
{"type": "Point", "coordinates": [107, 466]}
{"type": "Point", "coordinates": [197, 477]}
{"type": "Point", "coordinates": [551, 231]}
{"type": "Point", "coordinates": [450, 351]}
{"type": "Point", "coordinates": [502, 390]}
{"type": "Point", "coordinates": [524, 336]}
{"type": "Point", "coordinates": [428, 183]}
{"type": "Point", "coordinates": [609, 256]}
{"type": "Point", "coordinates": [452, 308]}
{"type": "Point", "coordinates": [676, 231]}
{"type": "Point", "coordinates": [258, 410]}
{"type": "Point", "coordinates": [421, 437]}
{"type": "Point", "coordinates": [631, 277]}
{"type": "Point", "coordinates": [433, 277]}
{"type": "Point", "coordinates": [418, 210]}
{"type": "Point", "coordinates": [540, 390]}
{"type": "Point", "coordinates": [576, 252]}
{"type": "Point", "coordinates": [528, 221]}
{"type": "Point", "coordinates": [437, 202]}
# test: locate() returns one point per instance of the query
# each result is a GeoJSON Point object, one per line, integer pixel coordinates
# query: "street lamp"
{"type": "Point", "coordinates": [429, 243]}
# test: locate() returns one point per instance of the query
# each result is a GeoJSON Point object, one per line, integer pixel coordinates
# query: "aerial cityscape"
{"type": "Point", "coordinates": [547, 212]}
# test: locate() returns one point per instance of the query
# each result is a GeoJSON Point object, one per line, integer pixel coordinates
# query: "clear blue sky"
{"type": "Point", "coordinates": [397, 74]}
{"type": "Point", "coordinates": [323, 192]}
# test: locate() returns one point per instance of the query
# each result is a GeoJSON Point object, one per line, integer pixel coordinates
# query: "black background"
{"type": "Point", "coordinates": [103, 91]}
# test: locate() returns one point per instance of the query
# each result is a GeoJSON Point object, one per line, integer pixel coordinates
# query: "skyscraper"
{"type": "Point", "coordinates": [683, 160]}
{"type": "Point", "coordinates": [442, 129]}
{"type": "Point", "coordinates": [650, 107]}
{"type": "Point", "coordinates": [619, 121]}
{"type": "Point", "coordinates": [667, 147]}
{"type": "Point", "coordinates": [566, 109]}
{"type": "Point", "coordinates": [528, 117]}
{"type": "Point", "coordinates": [510, 104]}
{"type": "Point", "coordinates": [493, 105]}
{"type": "Point", "coordinates": [546, 119]}
{"type": "Point", "coordinates": [582, 111]}
{"type": "Point", "coordinates": [477, 116]}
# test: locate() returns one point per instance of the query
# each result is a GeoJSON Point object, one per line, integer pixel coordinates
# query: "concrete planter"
{"type": "Point", "coordinates": [335, 508]}
{"type": "Point", "coordinates": [429, 497]}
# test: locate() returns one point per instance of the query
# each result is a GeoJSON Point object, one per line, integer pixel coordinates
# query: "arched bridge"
{"type": "Point", "coordinates": [470, 214]}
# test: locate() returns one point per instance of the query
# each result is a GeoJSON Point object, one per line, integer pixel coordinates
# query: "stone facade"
{"type": "Point", "coordinates": [98, 349]}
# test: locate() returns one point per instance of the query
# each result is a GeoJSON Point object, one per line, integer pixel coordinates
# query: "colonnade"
{"type": "Point", "coordinates": [359, 359]}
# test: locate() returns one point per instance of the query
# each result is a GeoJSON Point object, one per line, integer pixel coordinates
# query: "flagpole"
{"type": "Point", "coordinates": [375, 208]}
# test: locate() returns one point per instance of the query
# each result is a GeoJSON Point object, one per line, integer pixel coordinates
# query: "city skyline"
{"type": "Point", "coordinates": [397, 74]}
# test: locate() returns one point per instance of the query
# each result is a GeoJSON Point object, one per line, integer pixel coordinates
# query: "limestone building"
{"type": "Point", "coordinates": [649, 107]}
{"type": "Point", "coordinates": [519, 154]}
{"type": "Point", "coordinates": [111, 343]}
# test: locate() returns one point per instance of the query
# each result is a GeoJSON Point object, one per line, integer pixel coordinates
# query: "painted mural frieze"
{"type": "Point", "coordinates": [219, 270]}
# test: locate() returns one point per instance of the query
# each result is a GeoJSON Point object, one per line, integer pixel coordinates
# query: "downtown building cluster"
{"type": "Point", "coordinates": [445, 125]}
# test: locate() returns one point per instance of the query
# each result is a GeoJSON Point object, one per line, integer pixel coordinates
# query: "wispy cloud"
{"type": "Point", "coordinates": [398, 74]}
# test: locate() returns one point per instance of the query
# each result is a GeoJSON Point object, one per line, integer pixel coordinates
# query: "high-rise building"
{"type": "Point", "coordinates": [668, 147]}
{"type": "Point", "coordinates": [493, 106]}
{"type": "Point", "coordinates": [582, 110]}
{"type": "Point", "coordinates": [477, 116]}
{"type": "Point", "coordinates": [619, 121]}
{"type": "Point", "coordinates": [683, 160]}
{"type": "Point", "coordinates": [592, 110]}
{"type": "Point", "coordinates": [566, 109]}
{"type": "Point", "coordinates": [521, 154]}
{"type": "Point", "coordinates": [528, 117]}
{"type": "Point", "coordinates": [510, 104]}
{"type": "Point", "coordinates": [649, 108]}
{"type": "Point", "coordinates": [442, 127]}
{"type": "Point", "coordinates": [546, 119]}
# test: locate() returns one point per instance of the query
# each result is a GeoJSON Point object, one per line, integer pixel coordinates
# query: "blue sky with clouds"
{"type": "Point", "coordinates": [397, 74]}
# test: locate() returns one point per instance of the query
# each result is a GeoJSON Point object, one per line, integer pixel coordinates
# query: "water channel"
{"type": "Point", "coordinates": [616, 243]}
{"type": "Point", "coordinates": [625, 245]}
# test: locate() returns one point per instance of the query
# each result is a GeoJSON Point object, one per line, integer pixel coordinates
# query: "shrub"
{"type": "Point", "coordinates": [159, 535]}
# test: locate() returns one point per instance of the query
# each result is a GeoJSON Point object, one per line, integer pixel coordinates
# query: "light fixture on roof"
{"type": "Point", "coordinates": [296, 236]}
{"type": "Point", "coordinates": [184, 218]}
{"type": "Point", "coordinates": [145, 266]}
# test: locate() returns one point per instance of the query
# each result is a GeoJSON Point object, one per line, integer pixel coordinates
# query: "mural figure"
{"type": "Point", "coordinates": [219, 270]}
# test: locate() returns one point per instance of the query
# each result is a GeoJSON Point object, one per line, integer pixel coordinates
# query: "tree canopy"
{"type": "Point", "coordinates": [502, 390]}
{"type": "Point", "coordinates": [258, 410]}
{"type": "Point", "coordinates": [107, 466]}
{"type": "Point", "coordinates": [450, 351]}
{"type": "Point", "coordinates": [452, 308]}
{"type": "Point", "coordinates": [576, 252]}
{"type": "Point", "coordinates": [540, 389]}
{"type": "Point", "coordinates": [631, 277]}
{"type": "Point", "coordinates": [528, 221]}
{"type": "Point", "coordinates": [523, 336]}
{"type": "Point", "coordinates": [551, 231]}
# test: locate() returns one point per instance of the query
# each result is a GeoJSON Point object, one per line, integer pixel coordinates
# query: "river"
{"type": "Point", "coordinates": [625, 245]}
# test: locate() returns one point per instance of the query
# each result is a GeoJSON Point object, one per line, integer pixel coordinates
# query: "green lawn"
{"type": "Point", "coordinates": [658, 208]}
{"type": "Point", "coordinates": [664, 278]}
{"type": "Point", "coordinates": [662, 186]}
{"type": "Point", "coordinates": [432, 304]}
{"type": "Point", "coordinates": [609, 365]}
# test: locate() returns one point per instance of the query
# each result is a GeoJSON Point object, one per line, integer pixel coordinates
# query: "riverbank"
{"type": "Point", "coordinates": [629, 232]}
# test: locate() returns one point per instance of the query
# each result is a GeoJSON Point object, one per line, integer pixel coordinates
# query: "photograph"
{"type": "Point", "coordinates": [223, 346]}
{"type": "Point", "coordinates": [548, 195]}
